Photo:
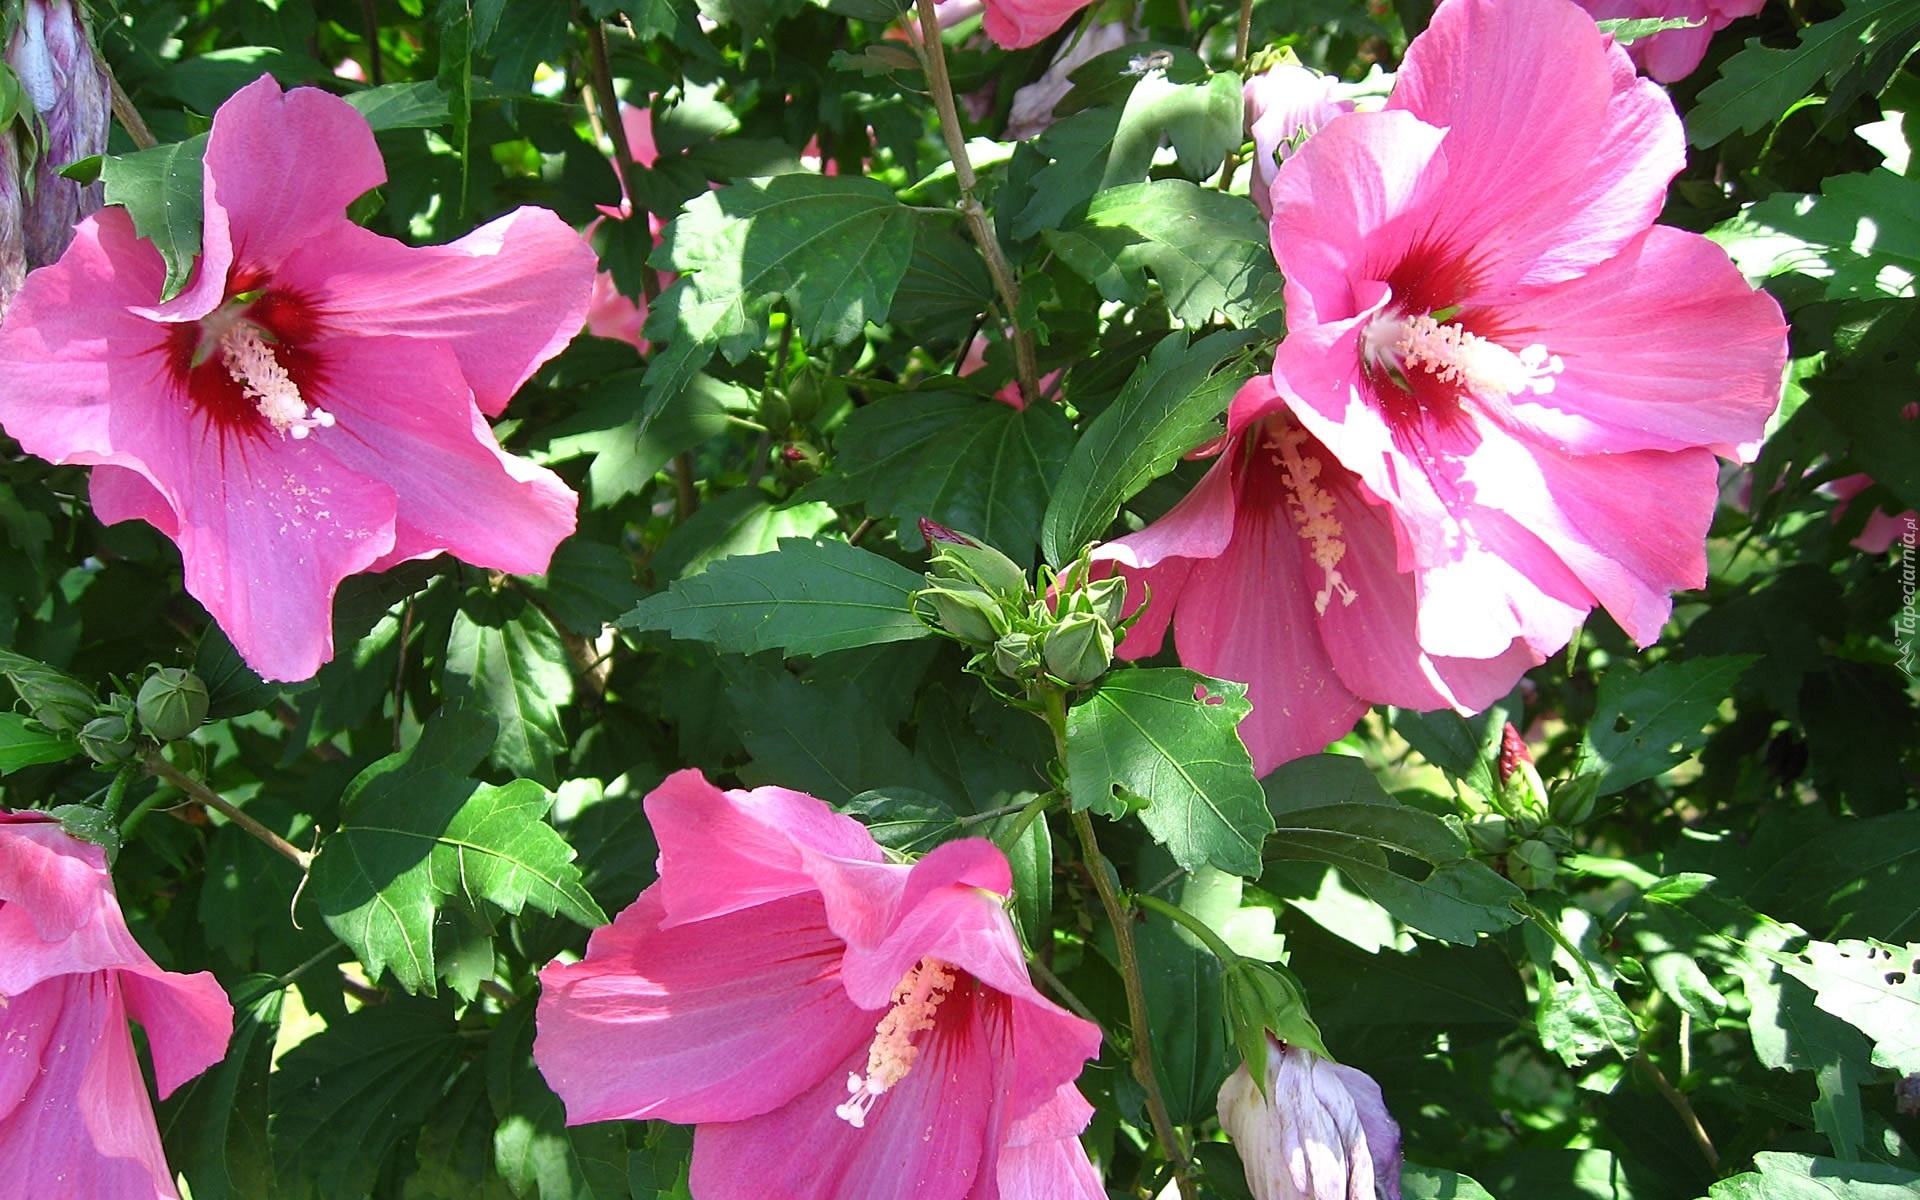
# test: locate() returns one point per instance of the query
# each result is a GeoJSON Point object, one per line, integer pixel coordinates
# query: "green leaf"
{"type": "Point", "coordinates": [1168, 406]}
{"type": "Point", "coordinates": [1625, 31]}
{"type": "Point", "coordinates": [346, 1097]}
{"type": "Point", "coordinates": [1207, 249]}
{"type": "Point", "coordinates": [966, 462]}
{"type": "Point", "coordinates": [1645, 723]}
{"type": "Point", "coordinates": [1200, 113]}
{"type": "Point", "coordinates": [1329, 808]}
{"type": "Point", "coordinates": [1433, 1183]}
{"type": "Point", "coordinates": [215, 1128]}
{"type": "Point", "coordinates": [834, 248]}
{"type": "Point", "coordinates": [1463, 747]}
{"type": "Point", "coordinates": [505, 659]}
{"type": "Point", "coordinates": [904, 819]}
{"type": "Point", "coordinates": [1872, 986]}
{"type": "Point", "coordinates": [418, 105]}
{"type": "Point", "coordinates": [807, 597]}
{"type": "Point", "coordinates": [418, 834]}
{"type": "Point", "coordinates": [455, 74]}
{"type": "Point", "coordinates": [1185, 1018]}
{"type": "Point", "coordinates": [1856, 235]}
{"type": "Point", "coordinates": [627, 449]}
{"type": "Point", "coordinates": [1148, 733]}
{"type": "Point", "coordinates": [1759, 84]}
{"type": "Point", "coordinates": [160, 189]}
{"type": "Point", "coordinates": [744, 521]}
{"type": "Point", "coordinates": [587, 584]}
{"type": "Point", "coordinates": [25, 744]}
{"type": "Point", "coordinates": [1803, 1177]}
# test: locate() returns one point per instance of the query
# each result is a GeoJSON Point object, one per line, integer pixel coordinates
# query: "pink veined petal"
{"type": "Point", "coordinates": [1374, 641]}
{"type": "Point", "coordinates": [75, 1118]}
{"type": "Point", "coordinates": [1349, 208]}
{"type": "Point", "coordinates": [936, 1135]}
{"type": "Point", "coordinates": [725, 851]}
{"type": "Point", "coordinates": [715, 1020]}
{"type": "Point", "coordinates": [1158, 559]}
{"type": "Point", "coordinates": [455, 489]}
{"type": "Point", "coordinates": [71, 352]}
{"type": "Point", "coordinates": [52, 879]}
{"type": "Point", "coordinates": [1666, 348]}
{"type": "Point", "coordinates": [1593, 511]}
{"type": "Point", "coordinates": [1672, 54]}
{"type": "Point", "coordinates": [188, 1020]}
{"type": "Point", "coordinates": [1043, 1158]}
{"type": "Point", "coordinates": [1248, 615]}
{"type": "Point", "coordinates": [1556, 158]}
{"type": "Point", "coordinates": [505, 298]}
{"type": "Point", "coordinates": [119, 494]}
{"type": "Point", "coordinates": [267, 529]}
{"type": "Point", "coordinates": [280, 169]}
{"type": "Point", "coordinates": [1501, 582]}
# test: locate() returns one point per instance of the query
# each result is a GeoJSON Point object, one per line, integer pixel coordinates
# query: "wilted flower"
{"type": "Point", "coordinates": [313, 405]}
{"type": "Point", "coordinates": [1320, 1131]}
{"type": "Point", "coordinates": [834, 1024]}
{"type": "Point", "coordinates": [75, 1117]}
{"type": "Point", "coordinates": [13, 235]}
{"type": "Point", "coordinates": [54, 59]}
{"type": "Point", "coordinates": [1033, 105]}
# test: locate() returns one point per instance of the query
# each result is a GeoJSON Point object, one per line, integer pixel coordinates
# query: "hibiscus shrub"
{"type": "Point", "coordinates": [962, 599]}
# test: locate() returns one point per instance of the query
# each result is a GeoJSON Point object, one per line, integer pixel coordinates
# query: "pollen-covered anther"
{"type": "Point", "coordinates": [1311, 507]}
{"type": "Point", "coordinates": [1455, 355]}
{"type": "Point", "coordinates": [891, 1054]}
{"type": "Point", "coordinates": [250, 360]}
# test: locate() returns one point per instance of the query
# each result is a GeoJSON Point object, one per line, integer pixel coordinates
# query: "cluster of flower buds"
{"type": "Point", "coordinates": [56, 105]}
{"type": "Point", "coordinates": [1533, 825]}
{"type": "Point", "coordinates": [171, 703]}
{"type": "Point", "coordinates": [979, 596]}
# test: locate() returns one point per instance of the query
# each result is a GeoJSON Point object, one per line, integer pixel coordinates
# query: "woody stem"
{"type": "Point", "coordinates": [933, 56]}
{"type": "Point", "coordinates": [1119, 910]}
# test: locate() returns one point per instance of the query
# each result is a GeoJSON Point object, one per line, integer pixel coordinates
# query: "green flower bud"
{"type": "Point", "coordinates": [1532, 864]}
{"type": "Point", "coordinates": [957, 556]}
{"type": "Point", "coordinates": [966, 613]}
{"type": "Point", "coordinates": [58, 701]}
{"type": "Point", "coordinates": [1489, 834]}
{"type": "Point", "coordinates": [1573, 803]}
{"type": "Point", "coordinates": [1520, 785]}
{"type": "Point", "coordinates": [107, 740]}
{"type": "Point", "coordinates": [1016, 655]}
{"type": "Point", "coordinates": [172, 703]}
{"type": "Point", "coordinates": [1107, 599]}
{"type": "Point", "coordinates": [1079, 649]}
{"type": "Point", "coordinates": [1260, 998]}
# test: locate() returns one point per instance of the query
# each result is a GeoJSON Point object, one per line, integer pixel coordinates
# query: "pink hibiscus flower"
{"type": "Point", "coordinates": [1017, 23]}
{"type": "Point", "coordinates": [75, 1119]}
{"type": "Point", "coordinates": [1882, 528]}
{"type": "Point", "coordinates": [1673, 54]}
{"type": "Point", "coordinates": [1493, 357]}
{"type": "Point", "coordinates": [784, 986]}
{"type": "Point", "coordinates": [312, 405]}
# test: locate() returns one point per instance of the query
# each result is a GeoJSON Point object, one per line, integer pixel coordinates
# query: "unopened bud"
{"type": "Point", "coordinates": [107, 740]}
{"type": "Point", "coordinates": [1107, 599]}
{"type": "Point", "coordinates": [53, 56]}
{"type": "Point", "coordinates": [1520, 784]}
{"type": "Point", "coordinates": [57, 700]}
{"type": "Point", "coordinates": [1079, 649]}
{"type": "Point", "coordinates": [1573, 802]}
{"type": "Point", "coordinates": [172, 703]}
{"type": "Point", "coordinates": [1016, 655]}
{"type": "Point", "coordinates": [957, 556]}
{"type": "Point", "coordinates": [1533, 865]}
{"type": "Point", "coordinates": [967, 613]}
{"type": "Point", "coordinates": [1489, 834]}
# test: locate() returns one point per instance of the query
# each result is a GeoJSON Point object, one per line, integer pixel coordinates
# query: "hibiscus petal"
{"type": "Point", "coordinates": [714, 1020]}
{"type": "Point", "coordinates": [456, 489]}
{"type": "Point", "coordinates": [1043, 1158]}
{"type": "Point", "coordinates": [1557, 158]}
{"type": "Point", "coordinates": [264, 196]}
{"type": "Point", "coordinates": [725, 851]}
{"type": "Point", "coordinates": [1248, 615]}
{"type": "Point", "coordinates": [1634, 335]}
{"type": "Point", "coordinates": [71, 352]}
{"type": "Point", "coordinates": [188, 1020]}
{"type": "Point", "coordinates": [1014, 24]}
{"type": "Point", "coordinates": [75, 1119]}
{"type": "Point", "coordinates": [1592, 510]}
{"type": "Point", "coordinates": [505, 298]}
{"type": "Point", "coordinates": [50, 881]}
{"type": "Point", "coordinates": [936, 1135]}
{"type": "Point", "coordinates": [1158, 559]}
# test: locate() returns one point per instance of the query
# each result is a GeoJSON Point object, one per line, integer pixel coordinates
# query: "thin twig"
{"type": "Point", "coordinates": [129, 116]}
{"type": "Point", "coordinates": [201, 794]}
{"type": "Point", "coordinates": [1684, 1107]}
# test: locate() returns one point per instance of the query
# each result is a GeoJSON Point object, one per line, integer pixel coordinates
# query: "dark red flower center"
{"type": "Point", "coordinates": [248, 368]}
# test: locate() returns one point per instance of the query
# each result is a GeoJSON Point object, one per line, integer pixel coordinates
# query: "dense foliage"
{"type": "Point", "coordinates": [1647, 928]}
